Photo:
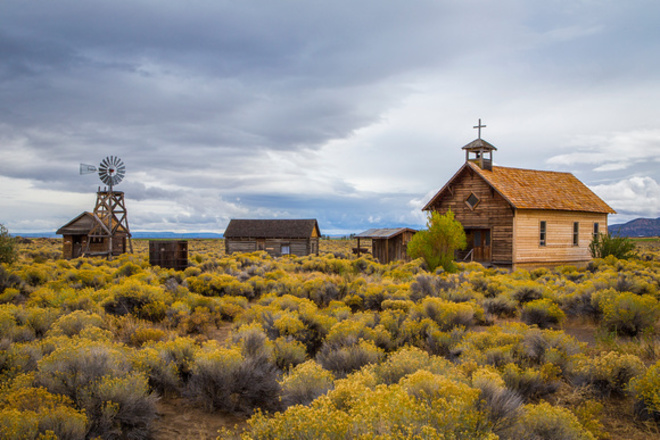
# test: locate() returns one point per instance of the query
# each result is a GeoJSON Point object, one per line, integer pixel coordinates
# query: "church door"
{"type": "Point", "coordinates": [480, 241]}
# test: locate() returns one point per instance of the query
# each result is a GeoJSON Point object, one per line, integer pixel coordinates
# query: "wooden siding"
{"type": "Point", "coordinates": [559, 248]}
{"type": "Point", "coordinates": [392, 249]}
{"type": "Point", "coordinates": [74, 245]}
{"type": "Point", "coordinates": [492, 212]}
{"type": "Point", "coordinates": [171, 254]}
{"type": "Point", "coordinates": [298, 247]}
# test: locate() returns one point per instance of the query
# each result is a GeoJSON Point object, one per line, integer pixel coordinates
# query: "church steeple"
{"type": "Point", "coordinates": [479, 151]}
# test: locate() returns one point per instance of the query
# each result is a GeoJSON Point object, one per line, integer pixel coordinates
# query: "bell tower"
{"type": "Point", "coordinates": [479, 151]}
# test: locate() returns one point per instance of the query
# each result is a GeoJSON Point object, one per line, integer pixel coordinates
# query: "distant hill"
{"type": "Point", "coordinates": [640, 227]}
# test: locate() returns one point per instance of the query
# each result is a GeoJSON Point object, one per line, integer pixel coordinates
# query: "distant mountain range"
{"type": "Point", "coordinates": [640, 227]}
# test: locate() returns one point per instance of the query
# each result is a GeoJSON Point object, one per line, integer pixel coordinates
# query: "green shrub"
{"type": "Point", "coordinates": [605, 245]}
{"type": "Point", "coordinates": [8, 251]}
{"type": "Point", "coordinates": [437, 244]}
{"type": "Point", "coordinates": [542, 312]}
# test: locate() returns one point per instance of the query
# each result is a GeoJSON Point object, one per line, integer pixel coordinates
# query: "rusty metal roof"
{"type": "Point", "coordinates": [533, 189]}
{"type": "Point", "coordinates": [274, 228]}
{"type": "Point", "coordinates": [384, 233]}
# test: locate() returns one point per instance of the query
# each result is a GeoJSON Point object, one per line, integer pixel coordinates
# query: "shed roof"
{"type": "Point", "coordinates": [80, 225]}
{"type": "Point", "coordinates": [274, 228]}
{"type": "Point", "coordinates": [533, 189]}
{"type": "Point", "coordinates": [384, 233]}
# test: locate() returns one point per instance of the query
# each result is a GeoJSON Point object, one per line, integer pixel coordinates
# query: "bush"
{"type": "Point", "coordinates": [225, 379]}
{"type": "Point", "coordinates": [628, 314]}
{"type": "Point", "coordinates": [547, 422]}
{"type": "Point", "coordinates": [604, 245]}
{"type": "Point", "coordinates": [342, 360]}
{"type": "Point", "coordinates": [437, 244]}
{"type": "Point", "coordinates": [608, 373]}
{"type": "Point", "coordinates": [646, 389]}
{"type": "Point", "coordinates": [532, 384]}
{"type": "Point", "coordinates": [75, 322]}
{"type": "Point", "coordinates": [139, 299]}
{"type": "Point", "coordinates": [500, 405]}
{"type": "Point", "coordinates": [542, 312]}
{"type": "Point", "coordinates": [8, 252]}
{"type": "Point", "coordinates": [30, 413]}
{"type": "Point", "coordinates": [304, 383]}
{"type": "Point", "coordinates": [288, 353]}
{"type": "Point", "coordinates": [98, 379]}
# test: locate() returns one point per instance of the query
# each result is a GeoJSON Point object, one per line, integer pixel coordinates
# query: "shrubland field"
{"type": "Point", "coordinates": [326, 347]}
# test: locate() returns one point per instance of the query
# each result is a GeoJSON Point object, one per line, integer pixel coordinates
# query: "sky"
{"type": "Point", "coordinates": [352, 112]}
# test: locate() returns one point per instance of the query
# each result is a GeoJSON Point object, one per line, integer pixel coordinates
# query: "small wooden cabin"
{"type": "Point", "coordinates": [387, 244]}
{"type": "Point", "coordinates": [521, 218]}
{"type": "Point", "coordinates": [277, 237]}
{"type": "Point", "coordinates": [76, 234]}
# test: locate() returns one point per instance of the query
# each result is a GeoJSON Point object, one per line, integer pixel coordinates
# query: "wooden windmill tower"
{"type": "Point", "coordinates": [109, 233]}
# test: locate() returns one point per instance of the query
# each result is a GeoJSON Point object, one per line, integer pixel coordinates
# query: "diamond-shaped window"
{"type": "Point", "coordinates": [472, 201]}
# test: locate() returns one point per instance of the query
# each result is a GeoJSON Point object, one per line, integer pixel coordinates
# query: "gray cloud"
{"type": "Point", "coordinates": [350, 112]}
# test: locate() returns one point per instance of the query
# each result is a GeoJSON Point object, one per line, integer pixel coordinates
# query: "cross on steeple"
{"type": "Point", "coordinates": [479, 126]}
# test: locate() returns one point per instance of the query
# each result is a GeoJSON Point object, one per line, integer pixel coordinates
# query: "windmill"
{"type": "Point", "coordinates": [109, 230]}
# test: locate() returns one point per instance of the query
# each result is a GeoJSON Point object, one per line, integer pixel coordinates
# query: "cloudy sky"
{"type": "Point", "coordinates": [353, 112]}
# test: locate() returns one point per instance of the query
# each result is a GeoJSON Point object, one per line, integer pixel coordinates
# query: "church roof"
{"type": "Point", "coordinates": [533, 189]}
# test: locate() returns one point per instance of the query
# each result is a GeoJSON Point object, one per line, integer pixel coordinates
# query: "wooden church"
{"type": "Point", "coordinates": [519, 218]}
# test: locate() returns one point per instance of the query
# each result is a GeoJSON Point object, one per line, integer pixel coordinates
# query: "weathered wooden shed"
{"type": "Point", "coordinates": [76, 235]}
{"type": "Point", "coordinates": [275, 236]}
{"type": "Point", "coordinates": [519, 217]}
{"type": "Point", "coordinates": [171, 254]}
{"type": "Point", "coordinates": [387, 244]}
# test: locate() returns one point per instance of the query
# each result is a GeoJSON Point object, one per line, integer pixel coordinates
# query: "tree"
{"type": "Point", "coordinates": [8, 252]}
{"type": "Point", "coordinates": [437, 244]}
{"type": "Point", "coordinates": [604, 245]}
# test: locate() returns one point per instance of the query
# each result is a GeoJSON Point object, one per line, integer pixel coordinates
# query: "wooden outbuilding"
{"type": "Point", "coordinates": [277, 237]}
{"type": "Point", "coordinates": [171, 254]}
{"type": "Point", "coordinates": [518, 217]}
{"type": "Point", "coordinates": [76, 237]}
{"type": "Point", "coordinates": [387, 244]}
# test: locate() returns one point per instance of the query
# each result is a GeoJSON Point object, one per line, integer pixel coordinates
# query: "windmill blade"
{"type": "Point", "coordinates": [112, 170]}
{"type": "Point", "coordinates": [87, 169]}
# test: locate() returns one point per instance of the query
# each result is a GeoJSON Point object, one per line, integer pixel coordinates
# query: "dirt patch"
{"type": "Point", "coordinates": [178, 419]}
{"type": "Point", "coordinates": [583, 331]}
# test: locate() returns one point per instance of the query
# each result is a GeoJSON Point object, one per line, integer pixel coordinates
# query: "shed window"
{"type": "Point", "coordinates": [542, 230]}
{"type": "Point", "coordinates": [596, 231]}
{"type": "Point", "coordinates": [576, 233]}
{"type": "Point", "coordinates": [285, 249]}
{"type": "Point", "coordinates": [472, 201]}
